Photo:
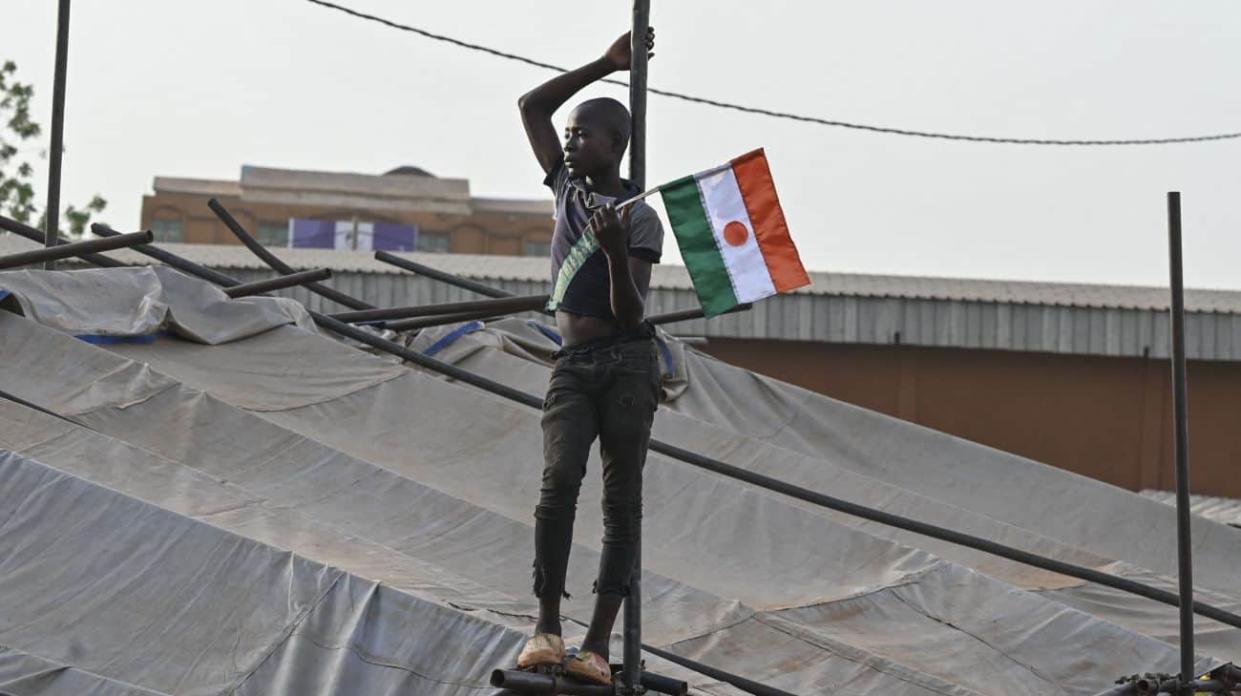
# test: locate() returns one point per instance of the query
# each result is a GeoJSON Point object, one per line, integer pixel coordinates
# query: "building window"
{"type": "Point", "coordinates": [437, 243]}
{"type": "Point", "coordinates": [272, 233]}
{"type": "Point", "coordinates": [167, 230]}
{"type": "Point", "coordinates": [529, 248]}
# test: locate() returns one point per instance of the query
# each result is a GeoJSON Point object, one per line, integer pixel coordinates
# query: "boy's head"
{"type": "Point", "coordinates": [596, 137]}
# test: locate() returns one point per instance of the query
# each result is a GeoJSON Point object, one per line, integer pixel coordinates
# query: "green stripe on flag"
{"type": "Point", "coordinates": [698, 247]}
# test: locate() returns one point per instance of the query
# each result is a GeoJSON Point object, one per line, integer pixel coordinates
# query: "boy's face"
{"type": "Point", "coordinates": [590, 147]}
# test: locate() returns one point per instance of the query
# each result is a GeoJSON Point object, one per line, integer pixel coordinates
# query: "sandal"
{"type": "Point", "coordinates": [590, 667]}
{"type": "Point", "coordinates": [542, 649]}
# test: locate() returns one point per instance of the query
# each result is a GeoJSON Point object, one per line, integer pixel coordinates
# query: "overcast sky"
{"type": "Point", "coordinates": [197, 89]}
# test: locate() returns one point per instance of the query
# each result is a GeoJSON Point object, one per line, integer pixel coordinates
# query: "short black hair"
{"type": "Point", "coordinates": [611, 114]}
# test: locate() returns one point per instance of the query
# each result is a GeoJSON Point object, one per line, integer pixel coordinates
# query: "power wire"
{"type": "Point", "coordinates": [780, 114]}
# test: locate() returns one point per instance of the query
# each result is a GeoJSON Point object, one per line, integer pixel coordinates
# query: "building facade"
{"type": "Point", "coordinates": [437, 215]}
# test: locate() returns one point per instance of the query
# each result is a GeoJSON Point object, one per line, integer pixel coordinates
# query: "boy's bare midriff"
{"type": "Point", "coordinates": [576, 329]}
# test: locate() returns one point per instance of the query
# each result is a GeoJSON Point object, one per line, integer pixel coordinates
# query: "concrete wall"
{"type": "Point", "coordinates": [1104, 417]}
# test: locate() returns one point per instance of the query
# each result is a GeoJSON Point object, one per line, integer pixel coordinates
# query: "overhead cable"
{"type": "Point", "coordinates": [782, 114]}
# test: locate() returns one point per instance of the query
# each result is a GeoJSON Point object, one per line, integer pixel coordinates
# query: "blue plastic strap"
{"type": "Point", "coordinates": [100, 340]}
{"type": "Point", "coordinates": [448, 338]}
{"type": "Point", "coordinates": [546, 331]}
{"type": "Point", "coordinates": [666, 354]}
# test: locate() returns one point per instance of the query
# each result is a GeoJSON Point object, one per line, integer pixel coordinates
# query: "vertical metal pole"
{"type": "Point", "coordinates": [1185, 563]}
{"type": "Point", "coordinates": [632, 674]}
{"type": "Point", "coordinates": [51, 231]}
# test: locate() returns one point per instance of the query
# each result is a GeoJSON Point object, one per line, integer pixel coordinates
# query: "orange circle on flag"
{"type": "Point", "coordinates": [735, 233]}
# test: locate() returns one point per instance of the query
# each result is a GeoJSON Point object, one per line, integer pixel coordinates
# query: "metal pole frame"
{"type": "Point", "coordinates": [1184, 541]}
{"type": "Point", "coordinates": [52, 213]}
{"type": "Point", "coordinates": [631, 674]}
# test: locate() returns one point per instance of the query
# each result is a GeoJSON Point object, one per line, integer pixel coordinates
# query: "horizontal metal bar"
{"type": "Point", "coordinates": [663, 685]}
{"type": "Point", "coordinates": [688, 314]}
{"type": "Point", "coordinates": [772, 484]}
{"type": "Point", "coordinates": [259, 287]}
{"type": "Point", "coordinates": [441, 320]}
{"type": "Point", "coordinates": [422, 269]}
{"type": "Point", "coordinates": [534, 683]}
{"type": "Point", "coordinates": [747, 685]}
{"type": "Point", "coordinates": [168, 259]}
{"type": "Point", "coordinates": [64, 251]}
{"type": "Point", "coordinates": [504, 305]}
{"type": "Point", "coordinates": [274, 261]}
{"type": "Point", "coordinates": [520, 682]}
{"type": "Point", "coordinates": [37, 236]}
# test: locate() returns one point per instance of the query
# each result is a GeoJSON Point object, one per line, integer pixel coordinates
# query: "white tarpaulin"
{"type": "Point", "coordinates": [368, 527]}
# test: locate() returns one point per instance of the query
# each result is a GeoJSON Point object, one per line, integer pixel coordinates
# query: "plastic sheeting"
{"type": "Point", "coordinates": [411, 497]}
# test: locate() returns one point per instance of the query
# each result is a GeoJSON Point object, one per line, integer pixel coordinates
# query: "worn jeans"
{"type": "Point", "coordinates": [608, 391]}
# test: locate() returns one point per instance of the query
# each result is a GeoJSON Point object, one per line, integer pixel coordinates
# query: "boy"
{"type": "Point", "coordinates": [605, 382]}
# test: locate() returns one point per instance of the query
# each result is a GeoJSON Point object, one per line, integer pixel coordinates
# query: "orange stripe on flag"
{"type": "Point", "coordinates": [770, 230]}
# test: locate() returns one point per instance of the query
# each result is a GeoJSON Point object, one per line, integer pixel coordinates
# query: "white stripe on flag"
{"type": "Point", "coordinates": [721, 197]}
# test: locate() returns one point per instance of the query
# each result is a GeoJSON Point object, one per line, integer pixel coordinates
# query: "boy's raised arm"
{"type": "Point", "coordinates": [538, 105]}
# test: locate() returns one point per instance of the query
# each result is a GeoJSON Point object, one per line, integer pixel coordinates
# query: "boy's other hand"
{"type": "Point", "coordinates": [619, 55]}
{"type": "Point", "coordinates": [611, 229]}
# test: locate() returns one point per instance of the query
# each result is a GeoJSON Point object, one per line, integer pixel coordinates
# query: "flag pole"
{"type": "Point", "coordinates": [652, 191]}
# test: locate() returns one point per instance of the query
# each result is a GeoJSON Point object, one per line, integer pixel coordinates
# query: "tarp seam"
{"type": "Point", "coordinates": [1050, 683]}
{"type": "Point", "coordinates": [907, 678]}
{"type": "Point", "coordinates": [292, 628]}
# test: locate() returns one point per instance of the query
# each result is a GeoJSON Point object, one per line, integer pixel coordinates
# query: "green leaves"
{"type": "Point", "coordinates": [17, 195]}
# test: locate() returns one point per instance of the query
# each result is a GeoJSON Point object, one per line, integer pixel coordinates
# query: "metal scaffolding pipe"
{"type": "Point", "coordinates": [36, 236]}
{"type": "Point", "coordinates": [169, 259]}
{"type": "Point", "coordinates": [772, 484]}
{"type": "Point", "coordinates": [435, 274]}
{"type": "Point", "coordinates": [688, 314]}
{"type": "Point", "coordinates": [747, 685]}
{"type": "Point", "coordinates": [274, 261]}
{"type": "Point", "coordinates": [637, 176]}
{"type": "Point", "coordinates": [64, 251]}
{"type": "Point", "coordinates": [1180, 439]}
{"type": "Point", "coordinates": [259, 287]}
{"type": "Point", "coordinates": [52, 212]}
{"type": "Point", "coordinates": [440, 320]}
{"type": "Point", "coordinates": [520, 682]}
{"type": "Point", "coordinates": [505, 305]}
{"type": "Point", "coordinates": [545, 684]}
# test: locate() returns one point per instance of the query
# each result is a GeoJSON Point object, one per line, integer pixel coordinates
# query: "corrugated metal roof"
{"type": "Point", "coordinates": [1225, 510]}
{"type": "Point", "coordinates": [535, 269]}
{"type": "Point", "coordinates": [839, 308]}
